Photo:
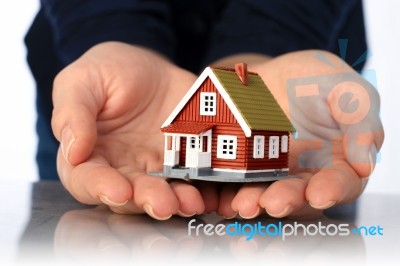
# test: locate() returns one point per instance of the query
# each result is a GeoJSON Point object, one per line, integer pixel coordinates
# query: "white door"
{"type": "Point", "coordinates": [198, 150]}
{"type": "Point", "coordinates": [192, 151]}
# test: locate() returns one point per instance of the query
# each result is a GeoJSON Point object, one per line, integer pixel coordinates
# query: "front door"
{"type": "Point", "coordinates": [198, 150]}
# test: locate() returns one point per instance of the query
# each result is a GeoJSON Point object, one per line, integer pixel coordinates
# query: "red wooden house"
{"type": "Point", "coordinates": [228, 127]}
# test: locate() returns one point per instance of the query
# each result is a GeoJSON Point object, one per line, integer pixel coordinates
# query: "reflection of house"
{"type": "Point", "coordinates": [228, 127]}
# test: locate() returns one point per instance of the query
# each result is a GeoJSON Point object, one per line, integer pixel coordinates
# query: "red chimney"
{"type": "Point", "coordinates": [241, 72]}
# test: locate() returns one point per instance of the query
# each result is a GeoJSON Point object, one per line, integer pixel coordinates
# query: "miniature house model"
{"type": "Point", "coordinates": [228, 127]}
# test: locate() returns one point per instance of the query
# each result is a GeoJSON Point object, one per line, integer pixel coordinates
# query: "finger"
{"type": "Point", "coordinates": [331, 186]}
{"type": "Point", "coordinates": [246, 201]}
{"type": "Point", "coordinates": [189, 198]}
{"type": "Point", "coordinates": [74, 114]}
{"type": "Point", "coordinates": [209, 193]}
{"type": "Point", "coordinates": [94, 182]}
{"type": "Point", "coordinates": [227, 194]}
{"type": "Point", "coordinates": [284, 197]}
{"type": "Point", "coordinates": [154, 196]}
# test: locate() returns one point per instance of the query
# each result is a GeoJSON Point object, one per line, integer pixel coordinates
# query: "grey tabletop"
{"type": "Point", "coordinates": [42, 223]}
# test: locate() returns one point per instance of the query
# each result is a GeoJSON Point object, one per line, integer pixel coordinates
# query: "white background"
{"type": "Point", "coordinates": [17, 134]}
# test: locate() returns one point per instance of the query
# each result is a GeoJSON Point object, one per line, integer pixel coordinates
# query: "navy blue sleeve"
{"type": "Point", "coordinates": [78, 25]}
{"type": "Point", "coordinates": [275, 27]}
{"type": "Point", "coordinates": [270, 27]}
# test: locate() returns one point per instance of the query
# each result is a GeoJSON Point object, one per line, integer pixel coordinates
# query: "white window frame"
{"type": "Point", "coordinates": [273, 151]}
{"type": "Point", "coordinates": [258, 147]}
{"type": "Point", "coordinates": [191, 141]}
{"type": "Point", "coordinates": [226, 147]}
{"type": "Point", "coordinates": [208, 103]}
{"type": "Point", "coordinates": [285, 144]}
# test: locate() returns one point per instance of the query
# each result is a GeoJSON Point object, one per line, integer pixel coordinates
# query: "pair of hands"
{"type": "Point", "coordinates": [110, 103]}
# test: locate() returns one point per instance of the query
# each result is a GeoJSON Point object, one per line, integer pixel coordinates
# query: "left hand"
{"type": "Point", "coordinates": [335, 151]}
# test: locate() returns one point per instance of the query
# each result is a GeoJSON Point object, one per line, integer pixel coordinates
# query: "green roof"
{"type": "Point", "coordinates": [254, 101]}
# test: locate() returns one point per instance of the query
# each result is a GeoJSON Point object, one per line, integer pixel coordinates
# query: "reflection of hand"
{"type": "Point", "coordinates": [98, 235]}
{"type": "Point", "coordinates": [331, 159]}
{"type": "Point", "coordinates": [108, 108]}
{"type": "Point", "coordinates": [309, 248]}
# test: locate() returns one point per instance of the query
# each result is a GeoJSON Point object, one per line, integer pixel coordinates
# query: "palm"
{"type": "Point", "coordinates": [129, 134]}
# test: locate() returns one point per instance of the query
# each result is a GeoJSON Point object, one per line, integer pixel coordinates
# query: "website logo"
{"type": "Point", "coordinates": [279, 229]}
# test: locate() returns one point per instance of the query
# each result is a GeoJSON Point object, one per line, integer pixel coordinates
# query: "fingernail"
{"type": "Point", "coordinates": [323, 206]}
{"type": "Point", "coordinates": [111, 203]}
{"type": "Point", "coordinates": [250, 216]}
{"type": "Point", "coordinates": [185, 214]}
{"type": "Point", "coordinates": [372, 158]}
{"type": "Point", "coordinates": [67, 139]}
{"type": "Point", "coordinates": [288, 209]}
{"type": "Point", "coordinates": [230, 217]}
{"type": "Point", "coordinates": [149, 210]}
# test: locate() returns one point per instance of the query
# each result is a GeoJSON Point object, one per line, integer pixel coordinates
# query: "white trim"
{"type": "Point", "coordinates": [181, 135]}
{"type": "Point", "coordinates": [258, 148]}
{"type": "Point", "coordinates": [246, 129]}
{"type": "Point", "coordinates": [231, 140]}
{"type": "Point", "coordinates": [196, 85]}
{"type": "Point", "coordinates": [249, 171]}
{"type": "Point", "coordinates": [212, 101]}
{"type": "Point", "coordinates": [273, 150]}
{"type": "Point", "coordinates": [284, 145]}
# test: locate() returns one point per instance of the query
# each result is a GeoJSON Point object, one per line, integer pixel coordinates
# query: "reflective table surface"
{"type": "Point", "coordinates": [42, 224]}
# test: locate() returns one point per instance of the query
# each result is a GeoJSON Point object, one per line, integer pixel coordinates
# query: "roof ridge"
{"type": "Point", "coordinates": [231, 69]}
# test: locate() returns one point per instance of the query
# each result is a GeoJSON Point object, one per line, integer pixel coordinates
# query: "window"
{"type": "Point", "coordinates": [208, 103]}
{"type": "Point", "coordinates": [258, 149]}
{"type": "Point", "coordinates": [192, 143]}
{"type": "Point", "coordinates": [226, 147]}
{"type": "Point", "coordinates": [169, 143]}
{"type": "Point", "coordinates": [273, 147]}
{"type": "Point", "coordinates": [285, 141]}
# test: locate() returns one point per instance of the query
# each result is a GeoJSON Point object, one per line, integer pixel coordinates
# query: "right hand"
{"type": "Point", "coordinates": [108, 109]}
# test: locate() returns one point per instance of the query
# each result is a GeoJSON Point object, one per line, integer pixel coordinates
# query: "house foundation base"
{"type": "Point", "coordinates": [208, 174]}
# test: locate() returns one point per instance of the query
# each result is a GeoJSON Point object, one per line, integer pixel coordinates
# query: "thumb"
{"type": "Point", "coordinates": [355, 105]}
{"type": "Point", "coordinates": [74, 119]}
{"type": "Point", "coordinates": [361, 151]}
{"type": "Point", "coordinates": [362, 143]}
